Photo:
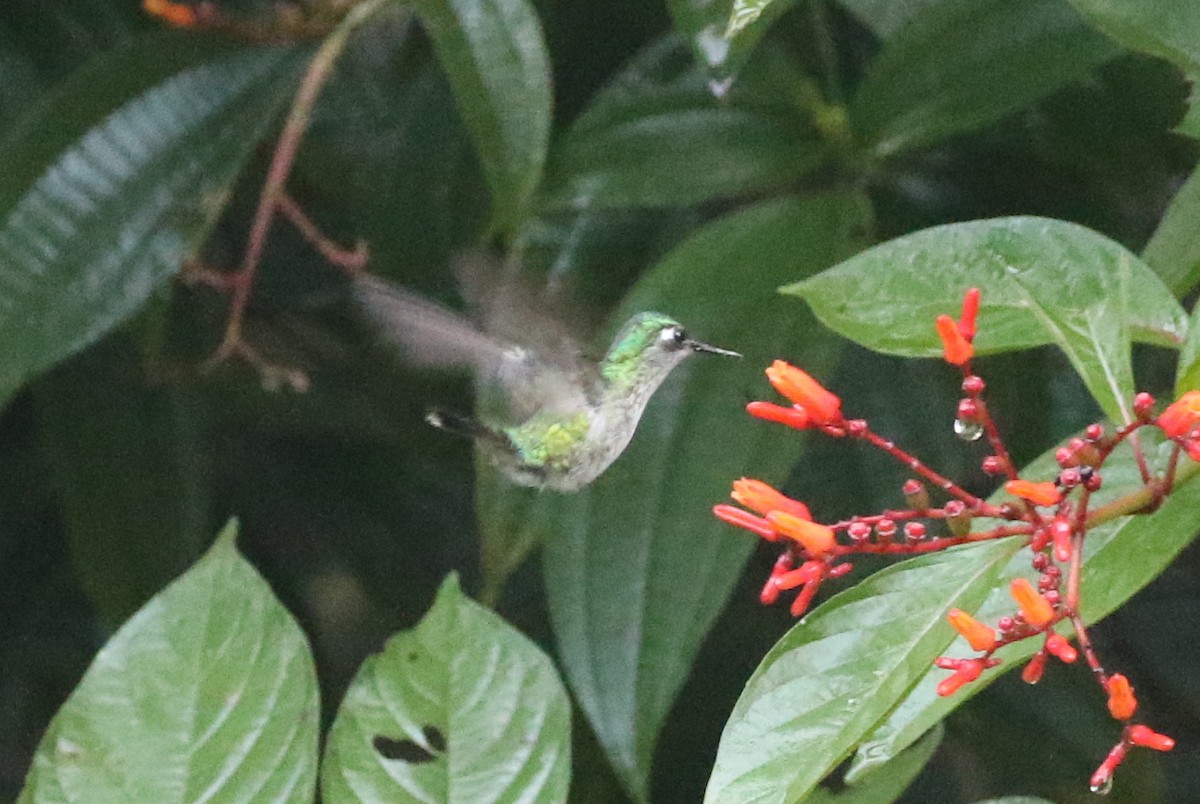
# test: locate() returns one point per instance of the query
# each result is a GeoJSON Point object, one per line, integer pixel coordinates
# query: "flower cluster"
{"type": "Point", "coordinates": [1052, 516]}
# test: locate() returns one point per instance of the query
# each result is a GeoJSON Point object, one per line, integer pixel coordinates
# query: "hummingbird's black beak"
{"type": "Point", "coordinates": [698, 346]}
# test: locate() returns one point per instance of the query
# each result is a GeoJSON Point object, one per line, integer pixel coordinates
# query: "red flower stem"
{"type": "Point", "coordinates": [1089, 653]}
{"type": "Point", "coordinates": [977, 505]}
{"type": "Point", "coordinates": [1172, 466]}
{"type": "Point", "coordinates": [319, 70]}
{"type": "Point", "coordinates": [990, 429]}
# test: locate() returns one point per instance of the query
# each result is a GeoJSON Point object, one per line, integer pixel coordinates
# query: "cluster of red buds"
{"type": "Point", "coordinates": [1053, 517]}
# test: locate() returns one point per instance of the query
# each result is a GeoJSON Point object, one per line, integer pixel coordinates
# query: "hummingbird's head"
{"type": "Point", "coordinates": [649, 346]}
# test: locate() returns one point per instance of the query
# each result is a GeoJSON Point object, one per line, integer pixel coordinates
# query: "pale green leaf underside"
{"type": "Point", "coordinates": [208, 693]}
{"type": "Point", "coordinates": [471, 680]}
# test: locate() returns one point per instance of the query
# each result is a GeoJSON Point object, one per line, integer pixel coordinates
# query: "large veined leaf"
{"type": "Point", "coordinates": [655, 136]}
{"type": "Point", "coordinates": [1163, 28]}
{"type": "Point", "coordinates": [885, 784]}
{"type": "Point", "coordinates": [208, 693]}
{"type": "Point", "coordinates": [112, 218]}
{"type": "Point", "coordinates": [838, 672]}
{"type": "Point", "coordinates": [961, 64]}
{"type": "Point", "coordinates": [1043, 282]}
{"type": "Point", "coordinates": [860, 664]}
{"type": "Point", "coordinates": [1117, 564]}
{"type": "Point", "coordinates": [636, 568]}
{"type": "Point", "coordinates": [463, 708]}
{"type": "Point", "coordinates": [885, 17]}
{"type": "Point", "coordinates": [495, 57]}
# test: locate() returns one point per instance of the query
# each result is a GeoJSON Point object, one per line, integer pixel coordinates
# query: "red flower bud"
{"type": "Point", "coordinates": [970, 313]}
{"type": "Point", "coordinates": [1037, 610]}
{"type": "Point", "coordinates": [981, 637]}
{"type": "Point", "coordinates": [955, 348]}
{"type": "Point", "coordinates": [795, 417]}
{"type": "Point", "coordinates": [1148, 738]}
{"type": "Point", "coordinates": [1060, 648]}
{"type": "Point", "coordinates": [1032, 673]}
{"type": "Point", "coordinates": [1121, 703]}
{"type": "Point", "coordinates": [1045, 493]}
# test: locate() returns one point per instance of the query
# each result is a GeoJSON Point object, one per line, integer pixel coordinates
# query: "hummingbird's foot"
{"type": "Point", "coordinates": [456, 423]}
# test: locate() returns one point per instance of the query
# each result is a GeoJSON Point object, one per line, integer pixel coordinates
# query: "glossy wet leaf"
{"type": "Point", "coordinates": [495, 57]}
{"type": "Point", "coordinates": [636, 567]}
{"type": "Point", "coordinates": [839, 671]}
{"type": "Point", "coordinates": [962, 64]}
{"type": "Point", "coordinates": [207, 693]}
{"type": "Point", "coordinates": [656, 136]}
{"type": "Point", "coordinates": [462, 708]}
{"type": "Point", "coordinates": [117, 212]}
{"type": "Point", "coordinates": [886, 783]}
{"type": "Point", "coordinates": [1121, 557]}
{"type": "Point", "coordinates": [1043, 281]}
{"type": "Point", "coordinates": [1174, 249]}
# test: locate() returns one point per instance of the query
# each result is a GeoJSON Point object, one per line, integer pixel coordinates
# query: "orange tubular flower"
{"type": "Point", "coordinates": [816, 539]}
{"type": "Point", "coordinates": [1037, 493]}
{"type": "Point", "coordinates": [1121, 703]}
{"type": "Point", "coordinates": [822, 406]}
{"type": "Point", "coordinates": [795, 417]}
{"type": "Point", "coordinates": [744, 519]}
{"type": "Point", "coordinates": [967, 672]}
{"type": "Point", "coordinates": [177, 14]}
{"type": "Point", "coordinates": [955, 347]}
{"type": "Point", "coordinates": [761, 498]}
{"type": "Point", "coordinates": [978, 635]}
{"type": "Point", "coordinates": [1037, 610]}
{"type": "Point", "coordinates": [1182, 416]}
{"type": "Point", "coordinates": [1058, 647]}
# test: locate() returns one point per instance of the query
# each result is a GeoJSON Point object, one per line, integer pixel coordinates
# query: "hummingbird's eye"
{"type": "Point", "coordinates": [673, 337]}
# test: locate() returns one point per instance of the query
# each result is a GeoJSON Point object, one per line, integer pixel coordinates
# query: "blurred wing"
{"type": "Point", "coordinates": [426, 333]}
{"type": "Point", "coordinates": [515, 380]}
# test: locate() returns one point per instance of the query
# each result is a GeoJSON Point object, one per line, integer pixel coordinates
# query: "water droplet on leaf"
{"type": "Point", "coordinates": [1104, 788]}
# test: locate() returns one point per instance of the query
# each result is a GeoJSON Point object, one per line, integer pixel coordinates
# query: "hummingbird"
{"type": "Point", "coordinates": [550, 418]}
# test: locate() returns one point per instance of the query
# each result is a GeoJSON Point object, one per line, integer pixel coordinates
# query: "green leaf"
{"type": "Point", "coordinates": [1187, 377]}
{"type": "Point", "coordinates": [656, 136]}
{"type": "Point", "coordinates": [962, 64]}
{"type": "Point", "coordinates": [1164, 28]}
{"type": "Point", "coordinates": [1174, 249]}
{"type": "Point", "coordinates": [1043, 282]}
{"type": "Point", "coordinates": [1117, 563]}
{"type": "Point", "coordinates": [636, 567]}
{"type": "Point", "coordinates": [885, 17]}
{"type": "Point", "coordinates": [838, 672]}
{"type": "Point", "coordinates": [208, 693]}
{"type": "Point", "coordinates": [463, 708]}
{"type": "Point", "coordinates": [885, 784]}
{"type": "Point", "coordinates": [494, 54]}
{"type": "Point", "coordinates": [746, 13]}
{"type": "Point", "coordinates": [117, 212]}
{"type": "Point", "coordinates": [128, 461]}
